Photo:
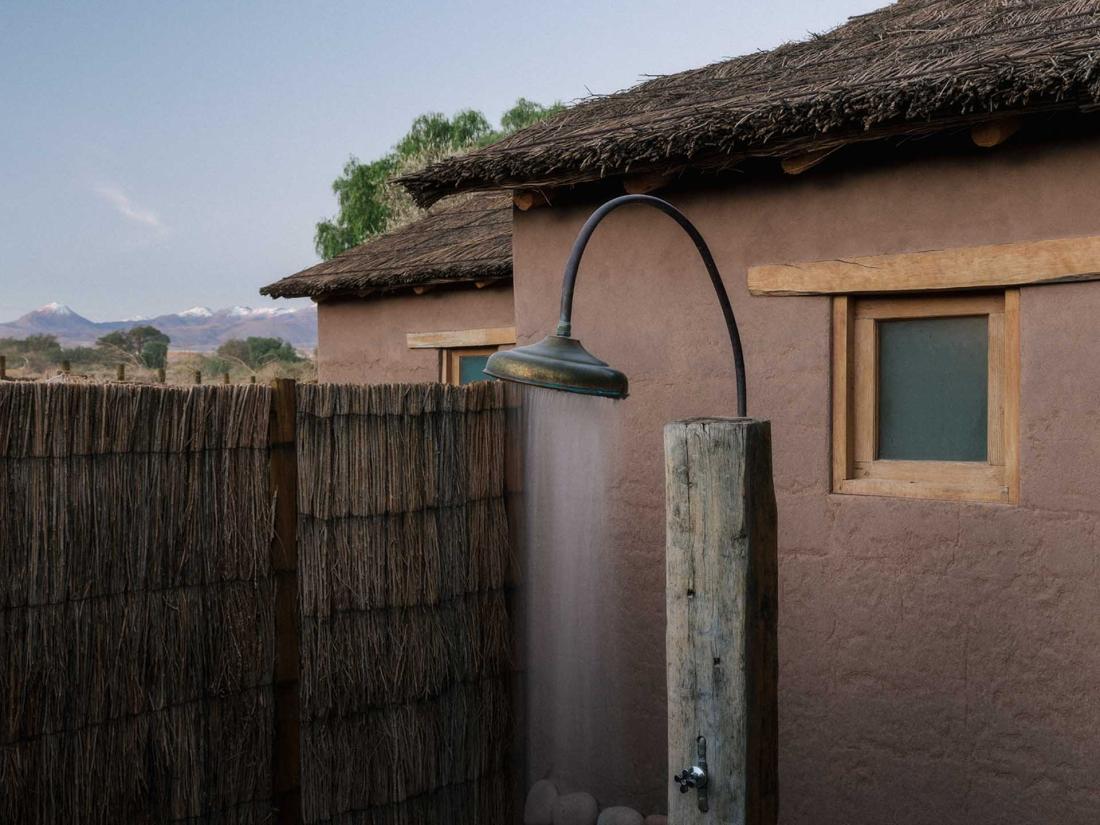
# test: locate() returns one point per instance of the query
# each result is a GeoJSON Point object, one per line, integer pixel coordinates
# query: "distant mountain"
{"type": "Point", "coordinates": [198, 328]}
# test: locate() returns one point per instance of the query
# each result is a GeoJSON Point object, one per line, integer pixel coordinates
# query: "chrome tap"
{"type": "Point", "coordinates": [696, 775]}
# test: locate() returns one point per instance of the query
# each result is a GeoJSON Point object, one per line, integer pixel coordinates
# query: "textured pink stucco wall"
{"type": "Point", "coordinates": [363, 341]}
{"type": "Point", "coordinates": [939, 662]}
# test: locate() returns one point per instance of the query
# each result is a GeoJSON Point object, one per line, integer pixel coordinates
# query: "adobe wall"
{"type": "Point", "coordinates": [938, 661]}
{"type": "Point", "coordinates": [363, 341]}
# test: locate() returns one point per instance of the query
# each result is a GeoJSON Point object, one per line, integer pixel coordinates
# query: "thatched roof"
{"type": "Point", "coordinates": [468, 239]}
{"type": "Point", "coordinates": [911, 66]}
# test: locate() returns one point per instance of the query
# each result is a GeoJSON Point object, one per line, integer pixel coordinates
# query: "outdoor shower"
{"type": "Point", "coordinates": [721, 576]}
{"type": "Point", "coordinates": [560, 362]}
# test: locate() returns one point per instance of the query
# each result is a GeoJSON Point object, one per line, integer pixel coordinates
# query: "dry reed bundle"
{"type": "Point", "coordinates": [404, 548]}
{"type": "Point", "coordinates": [403, 559]}
{"type": "Point", "coordinates": [136, 625]}
{"type": "Point", "coordinates": [413, 653]}
{"type": "Point", "coordinates": [408, 751]}
{"type": "Point", "coordinates": [481, 800]}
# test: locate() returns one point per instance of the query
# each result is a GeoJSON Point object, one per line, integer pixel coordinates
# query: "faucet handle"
{"type": "Point", "coordinates": [696, 775]}
{"type": "Point", "coordinates": [685, 780]}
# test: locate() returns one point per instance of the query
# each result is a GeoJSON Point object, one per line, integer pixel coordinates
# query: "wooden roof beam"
{"type": "Point", "coordinates": [525, 199]}
{"type": "Point", "coordinates": [995, 132]}
{"type": "Point", "coordinates": [797, 164]}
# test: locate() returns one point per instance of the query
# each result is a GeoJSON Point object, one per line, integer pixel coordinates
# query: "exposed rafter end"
{"type": "Point", "coordinates": [995, 132]}
{"type": "Point", "coordinates": [525, 199]}
{"type": "Point", "coordinates": [797, 164]}
{"type": "Point", "coordinates": [420, 290]}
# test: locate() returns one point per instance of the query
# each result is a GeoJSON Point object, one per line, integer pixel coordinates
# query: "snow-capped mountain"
{"type": "Point", "coordinates": [52, 319]}
{"type": "Point", "coordinates": [197, 328]}
{"type": "Point", "coordinates": [54, 308]}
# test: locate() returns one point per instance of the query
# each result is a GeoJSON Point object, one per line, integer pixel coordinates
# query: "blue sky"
{"type": "Point", "coordinates": [157, 155]}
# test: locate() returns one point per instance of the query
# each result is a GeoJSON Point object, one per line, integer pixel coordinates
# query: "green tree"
{"type": "Point", "coordinates": [265, 350]}
{"type": "Point", "coordinates": [38, 343]}
{"type": "Point", "coordinates": [435, 130]}
{"type": "Point", "coordinates": [367, 199]}
{"type": "Point", "coordinates": [145, 344]}
{"type": "Point", "coordinates": [236, 349]}
{"type": "Point", "coordinates": [154, 354]}
{"type": "Point", "coordinates": [256, 351]}
{"type": "Point", "coordinates": [526, 113]}
{"type": "Point", "coordinates": [362, 211]}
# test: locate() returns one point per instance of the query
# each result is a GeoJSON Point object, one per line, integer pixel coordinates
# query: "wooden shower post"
{"type": "Point", "coordinates": [286, 770]}
{"type": "Point", "coordinates": [722, 598]}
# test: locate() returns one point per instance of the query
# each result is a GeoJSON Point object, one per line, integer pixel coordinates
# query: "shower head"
{"type": "Point", "coordinates": [558, 362]}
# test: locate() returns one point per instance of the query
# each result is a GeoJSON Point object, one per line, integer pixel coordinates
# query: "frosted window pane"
{"type": "Point", "coordinates": [933, 388]}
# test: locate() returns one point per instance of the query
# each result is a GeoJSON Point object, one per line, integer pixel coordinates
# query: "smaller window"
{"type": "Point", "coordinates": [925, 396]}
{"type": "Point", "coordinates": [463, 353]}
{"type": "Point", "coordinates": [465, 366]}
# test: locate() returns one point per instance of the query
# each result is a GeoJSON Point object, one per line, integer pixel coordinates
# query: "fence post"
{"type": "Point", "coordinates": [198, 376]}
{"type": "Point", "coordinates": [286, 770]}
{"type": "Point", "coordinates": [722, 599]}
{"type": "Point", "coordinates": [3, 367]}
{"type": "Point", "coordinates": [225, 377]}
{"type": "Point", "coordinates": [120, 373]}
{"type": "Point", "coordinates": [160, 375]}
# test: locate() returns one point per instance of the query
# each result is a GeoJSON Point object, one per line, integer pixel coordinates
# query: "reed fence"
{"type": "Point", "coordinates": [250, 604]}
{"type": "Point", "coordinates": [136, 611]}
{"type": "Point", "coordinates": [403, 553]}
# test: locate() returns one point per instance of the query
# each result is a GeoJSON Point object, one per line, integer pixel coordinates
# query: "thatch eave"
{"type": "Point", "coordinates": [913, 67]}
{"type": "Point", "coordinates": [468, 240]}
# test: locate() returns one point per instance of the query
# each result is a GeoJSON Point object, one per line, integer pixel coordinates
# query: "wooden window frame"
{"type": "Point", "coordinates": [993, 266]}
{"type": "Point", "coordinates": [489, 337]}
{"type": "Point", "coordinates": [450, 369]}
{"type": "Point", "coordinates": [856, 469]}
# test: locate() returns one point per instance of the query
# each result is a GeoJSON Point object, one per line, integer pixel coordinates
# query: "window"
{"type": "Point", "coordinates": [926, 395]}
{"type": "Point", "coordinates": [463, 353]}
{"type": "Point", "coordinates": [464, 366]}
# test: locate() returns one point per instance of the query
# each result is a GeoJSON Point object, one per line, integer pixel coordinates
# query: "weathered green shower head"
{"type": "Point", "coordinates": [558, 362]}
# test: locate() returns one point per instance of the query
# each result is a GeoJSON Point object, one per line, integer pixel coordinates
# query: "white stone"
{"type": "Point", "coordinates": [619, 815]}
{"type": "Point", "coordinates": [576, 809]}
{"type": "Point", "coordinates": [539, 809]}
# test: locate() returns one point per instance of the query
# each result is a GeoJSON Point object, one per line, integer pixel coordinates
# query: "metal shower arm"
{"type": "Point", "coordinates": [565, 321]}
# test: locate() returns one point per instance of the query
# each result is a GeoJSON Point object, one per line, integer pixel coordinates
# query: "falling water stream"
{"type": "Point", "coordinates": [561, 452]}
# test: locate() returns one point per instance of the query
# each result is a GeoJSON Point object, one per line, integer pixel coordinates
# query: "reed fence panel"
{"type": "Point", "coordinates": [405, 638]}
{"type": "Point", "coordinates": [136, 610]}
